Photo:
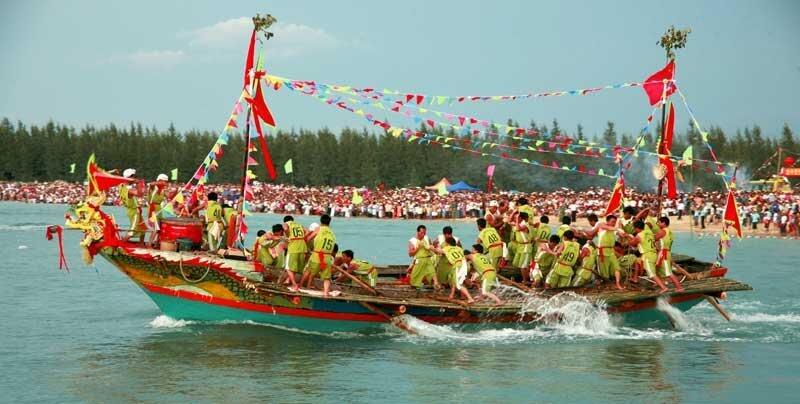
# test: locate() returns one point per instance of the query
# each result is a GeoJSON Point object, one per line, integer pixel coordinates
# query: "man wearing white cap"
{"type": "Point", "coordinates": [155, 198]}
{"type": "Point", "coordinates": [129, 199]}
{"type": "Point", "coordinates": [493, 216]}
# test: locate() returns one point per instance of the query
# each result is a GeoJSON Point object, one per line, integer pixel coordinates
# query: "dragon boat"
{"type": "Point", "coordinates": [227, 286]}
{"type": "Point", "coordinates": [188, 283]}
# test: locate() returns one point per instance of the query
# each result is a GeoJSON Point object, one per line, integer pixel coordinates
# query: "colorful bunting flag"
{"type": "Point", "coordinates": [731, 215]}
{"type": "Point", "coordinates": [72, 168]}
{"type": "Point", "coordinates": [357, 199]}
{"type": "Point", "coordinates": [174, 176]}
{"type": "Point", "coordinates": [287, 167]}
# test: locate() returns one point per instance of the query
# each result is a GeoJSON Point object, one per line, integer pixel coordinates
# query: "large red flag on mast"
{"type": "Point", "coordinates": [731, 215]}
{"type": "Point", "coordinates": [654, 85]}
{"type": "Point", "coordinates": [615, 203]}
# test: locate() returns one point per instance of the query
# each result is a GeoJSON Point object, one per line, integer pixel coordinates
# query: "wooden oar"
{"type": "Point", "coordinates": [389, 318]}
{"type": "Point", "coordinates": [713, 301]}
{"type": "Point", "coordinates": [514, 284]}
{"type": "Point", "coordinates": [357, 280]}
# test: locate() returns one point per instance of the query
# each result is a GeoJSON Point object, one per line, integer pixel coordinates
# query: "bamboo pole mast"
{"type": "Point", "coordinates": [671, 40]}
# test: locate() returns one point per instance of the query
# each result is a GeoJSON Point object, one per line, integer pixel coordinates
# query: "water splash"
{"type": "Point", "coordinates": [570, 313]}
{"type": "Point", "coordinates": [679, 319]}
{"type": "Point", "coordinates": [164, 321]}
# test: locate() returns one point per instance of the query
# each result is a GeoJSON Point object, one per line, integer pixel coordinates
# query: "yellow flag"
{"type": "Point", "coordinates": [442, 189]}
{"type": "Point", "coordinates": [357, 199]}
{"type": "Point", "coordinates": [287, 168]}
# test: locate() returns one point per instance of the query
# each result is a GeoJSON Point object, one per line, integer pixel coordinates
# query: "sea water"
{"type": "Point", "coordinates": [91, 335]}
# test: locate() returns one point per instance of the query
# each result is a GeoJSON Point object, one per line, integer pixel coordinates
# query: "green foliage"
{"type": "Point", "coordinates": [356, 157]}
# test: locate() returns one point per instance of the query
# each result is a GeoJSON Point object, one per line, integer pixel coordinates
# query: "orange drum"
{"type": "Point", "coordinates": [175, 228]}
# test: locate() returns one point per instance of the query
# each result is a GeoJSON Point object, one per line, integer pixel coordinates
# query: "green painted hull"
{"type": "Point", "coordinates": [184, 309]}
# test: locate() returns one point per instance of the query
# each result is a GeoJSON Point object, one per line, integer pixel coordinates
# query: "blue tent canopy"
{"type": "Point", "coordinates": [462, 186]}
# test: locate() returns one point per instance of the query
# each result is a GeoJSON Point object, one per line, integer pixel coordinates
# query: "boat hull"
{"type": "Point", "coordinates": [202, 287]}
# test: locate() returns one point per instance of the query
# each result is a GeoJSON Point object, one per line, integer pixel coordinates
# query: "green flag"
{"type": "Point", "coordinates": [687, 156]}
{"type": "Point", "coordinates": [357, 199]}
{"type": "Point", "coordinates": [442, 189]}
{"type": "Point", "coordinates": [72, 168]}
{"type": "Point", "coordinates": [174, 174]}
{"type": "Point", "coordinates": [288, 167]}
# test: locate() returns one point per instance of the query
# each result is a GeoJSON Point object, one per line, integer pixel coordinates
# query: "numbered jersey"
{"type": "Point", "coordinates": [492, 244]}
{"type": "Point", "coordinates": [482, 264]}
{"type": "Point", "coordinates": [453, 254]}
{"type": "Point", "coordinates": [569, 255]}
{"type": "Point", "coordinates": [297, 234]}
{"type": "Point", "coordinates": [323, 243]}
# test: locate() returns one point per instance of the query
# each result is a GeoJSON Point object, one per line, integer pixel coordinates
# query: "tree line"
{"type": "Point", "coordinates": [362, 157]}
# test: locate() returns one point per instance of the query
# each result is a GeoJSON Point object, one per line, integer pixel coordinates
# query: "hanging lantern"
{"type": "Point", "coordinates": [788, 161]}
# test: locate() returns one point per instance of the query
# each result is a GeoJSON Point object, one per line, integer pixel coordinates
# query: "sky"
{"type": "Point", "coordinates": [180, 62]}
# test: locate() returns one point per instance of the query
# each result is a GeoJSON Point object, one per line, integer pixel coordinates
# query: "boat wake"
{"type": "Point", "coordinates": [22, 227]}
{"type": "Point", "coordinates": [164, 321]}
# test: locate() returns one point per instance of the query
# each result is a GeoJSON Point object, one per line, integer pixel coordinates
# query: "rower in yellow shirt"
{"type": "Point", "coordinates": [489, 238]}
{"type": "Point", "coordinates": [567, 252]}
{"type": "Point", "coordinates": [486, 271]}
{"type": "Point", "coordinates": [322, 254]}
{"type": "Point", "coordinates": [458, 268]}
{"type": "Point", "coordinates": [296, 249]}
{"type": "Point", "coordinates": [214, 225]}
{"type": "Point", "coordinates": [420, 248]}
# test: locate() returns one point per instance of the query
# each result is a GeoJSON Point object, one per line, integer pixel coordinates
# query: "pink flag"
{"type": "Point", "coordinates": [490, 171]}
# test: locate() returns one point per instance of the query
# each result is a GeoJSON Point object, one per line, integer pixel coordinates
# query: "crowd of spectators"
{"type": "Point", "coordinates": [759, 211]}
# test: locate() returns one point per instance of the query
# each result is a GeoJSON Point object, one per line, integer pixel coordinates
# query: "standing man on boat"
{"type": "Point", "coordinates": [129, 199]}
{"type": "Point", "coordinates": [213, 222]}
{"type": "Point", "coordinates": [664, 263]}
{"type": "Point", "coordinates": [491, 243]}
{"type": "Point", "coordinates": [646, 242]}
{"type": "Point", "coordinates": [607, 263]}
{"type": "Point", "coordinates": [441, 264]}
{"type": "Point", "coordinates": [493, 216]}
{"type": "Point", "coordinates": [156, 197]}
{"type": "Point", "coordinates": [458, 268]}
{"type": "Point", "coordinates": [566, 221]}
{"type": "Point", "coordinates": [419, 247]}
{"type": "Point", "coordinates": [486, 271]}
{"type": "Point", "coordinates": [295, 251]}
{"type": "Point", "coordinates": [522, 256]}
{"type": "Point", "coordinates": [321, 261]}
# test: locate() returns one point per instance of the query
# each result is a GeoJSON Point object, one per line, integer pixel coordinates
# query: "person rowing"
{"type": "Point", "coordinates": [486, 271]}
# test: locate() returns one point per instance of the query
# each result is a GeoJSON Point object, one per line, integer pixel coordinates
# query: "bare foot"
{"type": "Point", "coordinates": [620, 287]}
{"type": "Point", "coordinates": [294, 288]}
{"type": "Point", "coordinates": [662, 291]}
{"type": "Point", "coordinates": [679, 289]}
{"type": "Point", "coordinates": [470, 301]}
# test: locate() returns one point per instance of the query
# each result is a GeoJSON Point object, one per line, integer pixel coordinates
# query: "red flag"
{"type": "Point", "coordinates": [100, 180]}
{"type": "Point", "coordinates": [489, 185]}
{"type": "Point", "coordinates": [615, 203]}
{"type": "Point", "coordinates": [732, 214]}
{"type": "Point", "coordinates": [669, 169]}
{"type": "Point", "coordinates": [260, 108]}
{"type": "Point", "coordinates": [261, 113]}
{"type": "Point", "coordinates": [248, 64]}
{"type": "Point", "coordinates": [665, 146]}
{"type": "Point", "coordinates": [654, 85]}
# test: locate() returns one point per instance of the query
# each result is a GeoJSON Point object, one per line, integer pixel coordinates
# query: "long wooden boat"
{"type": "Point", "coordinates": [198, 285]}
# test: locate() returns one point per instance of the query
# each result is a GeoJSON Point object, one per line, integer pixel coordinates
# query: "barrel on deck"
{"type": "Point", "coordinates": [175, 228]}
